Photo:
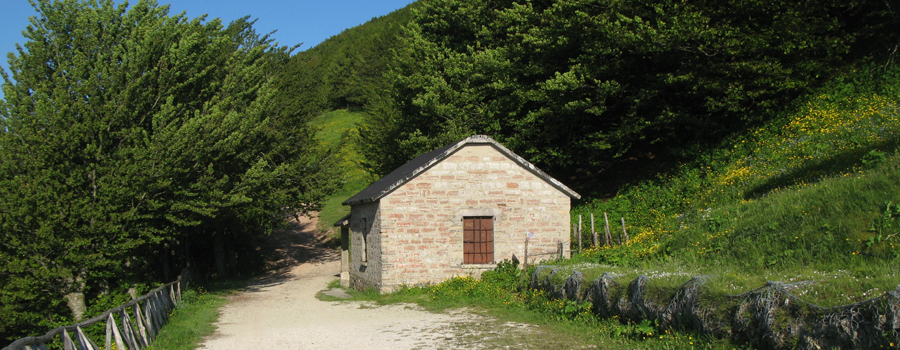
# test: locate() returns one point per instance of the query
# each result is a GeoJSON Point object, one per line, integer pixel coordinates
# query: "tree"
{"type": "Point", "coordinates": [573, 84]}
{"type": "Point", "coordinates": [128, 132]}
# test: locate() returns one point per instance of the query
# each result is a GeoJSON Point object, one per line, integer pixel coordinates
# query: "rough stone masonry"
{"type": "Point", "coordinates": [414, 234]}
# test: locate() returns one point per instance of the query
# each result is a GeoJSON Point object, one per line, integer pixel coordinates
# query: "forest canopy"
{"type": "Point", "coordinates": [575, 84]}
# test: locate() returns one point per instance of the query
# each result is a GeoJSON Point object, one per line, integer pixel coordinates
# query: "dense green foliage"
{"type": "Point", "coordinates": [132, 143]}
{"type": "Point", "coordinates": [572, 85]}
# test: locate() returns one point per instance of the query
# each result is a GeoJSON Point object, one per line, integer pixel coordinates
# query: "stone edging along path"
{"type": "Point", "coordinates": [768, 317]}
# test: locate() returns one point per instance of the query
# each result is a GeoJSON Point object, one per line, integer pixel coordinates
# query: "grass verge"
{"type": "Point", "coordinates": [193, 318]}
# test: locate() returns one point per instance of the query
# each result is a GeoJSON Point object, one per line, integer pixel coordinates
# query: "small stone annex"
{"type": "Point", "coordinates": [454, 211]}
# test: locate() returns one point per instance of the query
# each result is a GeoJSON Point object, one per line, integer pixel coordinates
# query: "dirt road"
{"type": "Point", "coordinates": [281, 311]}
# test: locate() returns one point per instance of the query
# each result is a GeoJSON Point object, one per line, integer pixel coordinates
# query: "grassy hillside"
{"type": "Point", "coordinates": [815, 191]}
{"type": "Point", "coordinates": [338, 129]}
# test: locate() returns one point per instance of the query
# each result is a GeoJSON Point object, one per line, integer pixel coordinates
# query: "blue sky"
{"type": "Point", "coordinates": [304, 21]}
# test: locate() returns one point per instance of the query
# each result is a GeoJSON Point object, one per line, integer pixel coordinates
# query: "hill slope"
{"type": "Point", "coordinates": [347, 70]}
{"type": "Point", "coordinates": [339, 130]}
{"type": "Point", "coordinates": [816, 188]}
{"type": "Point", "coordinates": [333, 83]}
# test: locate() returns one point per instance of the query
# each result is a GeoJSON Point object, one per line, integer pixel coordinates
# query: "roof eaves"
{"type": "Point", "coordinates": [432, 159]}
{"type": "Point", "coordinates": [344, 221]}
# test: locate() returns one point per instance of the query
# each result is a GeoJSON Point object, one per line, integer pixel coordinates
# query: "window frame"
{"type": "Point", "coordinates": [478, 240]}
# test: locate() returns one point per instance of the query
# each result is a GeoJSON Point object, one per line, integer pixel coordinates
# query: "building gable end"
{"type": "Point", "coordinates": [420, 164]}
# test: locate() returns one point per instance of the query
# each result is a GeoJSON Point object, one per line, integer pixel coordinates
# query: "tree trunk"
{"type": "Point", "coordinates": [186, 247]}
{"type": "Point", "coordinates": [219, 251]}
{"type": "Point", "coordinates": [231, 256]}
{"type": "Point", "coordinates": [75, 297]}
{"type": "Point", "coordinates": [166, 262]}
{"type": "Point", "coordinates": [77, 305]}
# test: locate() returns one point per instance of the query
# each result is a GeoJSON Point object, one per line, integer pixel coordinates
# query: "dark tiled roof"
{"type": "Point", "coordinates": [419, 164]}
{"type": "Point", "coordinates": [344, 221]}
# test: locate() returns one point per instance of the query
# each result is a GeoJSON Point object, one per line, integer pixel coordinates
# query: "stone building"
{"type": "Point", "coordinates": [455, 211]}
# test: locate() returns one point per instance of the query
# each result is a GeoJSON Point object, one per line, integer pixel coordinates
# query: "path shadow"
{"type": "Point", "coordinates": [299, 242]}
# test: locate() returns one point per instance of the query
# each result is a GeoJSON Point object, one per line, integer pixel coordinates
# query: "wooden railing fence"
{"type": "Point", "coordinates": [558, 253]}
{"type": "Point", "coordinates": [605, 239]}
{"type": "Point", "coordinates": [134, 335]}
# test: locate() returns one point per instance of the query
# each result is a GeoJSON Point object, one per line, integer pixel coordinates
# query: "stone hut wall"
{"type": "Point", "coordinates": [421, 233]}
{"type": "Point", "coordinates": [365, 219]}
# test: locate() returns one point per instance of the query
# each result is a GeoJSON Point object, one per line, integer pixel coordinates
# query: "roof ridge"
{"type": "Point", "coordinates": [423, 162]}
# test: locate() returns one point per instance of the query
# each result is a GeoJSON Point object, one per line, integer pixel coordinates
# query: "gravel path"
{"type": "Point", "coordinates": [281, 311]}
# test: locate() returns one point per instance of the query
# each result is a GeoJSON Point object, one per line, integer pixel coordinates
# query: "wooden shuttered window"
{"type": "Point", "coordinates": [478, 240]}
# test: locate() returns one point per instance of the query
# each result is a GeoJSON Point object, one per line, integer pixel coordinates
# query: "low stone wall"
{"type": "Point", "coordinates": [769, 317]}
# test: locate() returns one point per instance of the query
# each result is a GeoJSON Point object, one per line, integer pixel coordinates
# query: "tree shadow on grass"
{"type": "Point", "coordinates": [813, 171]}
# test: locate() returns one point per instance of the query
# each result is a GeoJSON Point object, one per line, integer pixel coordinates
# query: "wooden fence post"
{"type": "Point", "coordinates": [593, 231]}
{"type": "Point", "coordinates": [606, 227]}
{"type": "Point", "coordinates": [67, 340]}
{"type": "Point", "coordinates": [579, 226]}
{"type": "Point", "coordinates": [624, 231]}
{"type": "Point", "coordinates": [141, 329]}
{"type": "Point", "coordinates": [575, 232]}
{"type": "Point", "coordinates": [85, 342]}
{"type": "Point", "coordinates": [113, 334]}
{"type": "Point", "coordinates": [128, 331]}
{"type": "Point", "coordinates": [526, 253]}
